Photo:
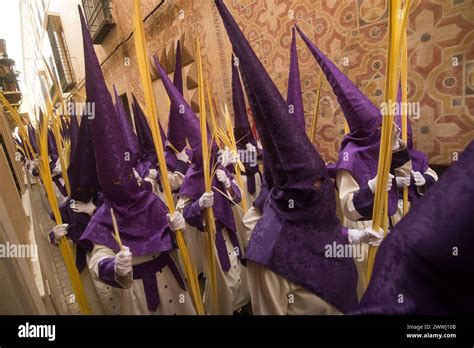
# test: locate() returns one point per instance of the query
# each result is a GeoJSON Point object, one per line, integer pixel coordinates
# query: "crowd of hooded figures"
{"type": "Point", "coordinates": [272, 257]}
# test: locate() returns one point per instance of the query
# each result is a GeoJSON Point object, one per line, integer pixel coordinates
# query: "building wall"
{"type": "Point", "coordinates": [439, 30]}
{"type": "Point", "coordinates": [36, 44]}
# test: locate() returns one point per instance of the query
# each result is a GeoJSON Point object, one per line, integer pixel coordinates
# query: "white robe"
{"type": "Point", "coordinates": [249, 199]}
{"type": "Point", "coordinates": [132, 300]}
{"type": "Point", "coordinates": [232, 286]}
{"type": "Point", "coordinates": [272, 294]}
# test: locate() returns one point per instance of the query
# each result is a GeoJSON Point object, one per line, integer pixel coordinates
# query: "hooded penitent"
{"type": "Point", "coordinates": [193, 185]}
{"type": "Point", "coordinates": [176, 129]}
{"type": "Point", "coordinates": [429, 255]}
{"type": "Point", "coordinates": [419, 161]}
{"type": "Point", "coordinates": [299, 218]}
{"type": "Point", "coordinates": [359, 151]}
{"type": "Point", "coordinates": [84, 183]}
{"type": "Point", "coordinates": [294, 96]}
{"type": "Point", "coordinates": [141, 215]}
{"type": "Point", "coordinates": [242, 132]}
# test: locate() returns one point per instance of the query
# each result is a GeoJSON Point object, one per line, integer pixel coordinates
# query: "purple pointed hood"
{"type": "Point", "coordinates": [52, 147]}
{"type": "Point", "coordinates": [295, 95]}
{"type": "Point", "coordinates": [82, 170]}
{"type": "Point", "coordinates": [84, 183]}
{"type": "Point", "coordinates": [190, 120]}
{"type": "Point", "coordinates": [193, 184]}
{"type": "Point", "coordinates": [32, 138]}
{"type": "Point", "coordinates": [287, 236]}
{"type": "Point", "coordinates": [417, 258]}
{"type": "Point", "coordinates": [145, 138]}
{"type": "Point", "coordinates": [74, 135]}
{"type": "Point", "coordinates": [242, 131]}
{"type": "Point", "coordinates": [359, 150]}
{"type": "Point", "coordinates": [176, 130]}
{"type": "Point", "coordinates": [129, 136]}
{"type": "Point", "coordinates": [361, 115]}
{"type": "Point", "coordinates": [148, 157]}
{"type": "Point", "coordinates": [141, 215]}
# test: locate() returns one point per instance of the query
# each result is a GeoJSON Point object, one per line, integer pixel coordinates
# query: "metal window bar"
{"type": "Point", "coordinates": [62, 59]}
{"type": "Point", "coordinates": [99, 18]}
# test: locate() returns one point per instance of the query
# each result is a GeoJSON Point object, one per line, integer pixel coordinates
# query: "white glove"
{"type": "Point", "coordinates": [403, 181]}
{"type": "Point", "coordinates": [419, 178]}
{"type": "Point", "coordinates": [152, 174]}
{"type": "Point", "coordinates": [180, 205]}
{"type": "Point", "coordinates": [60, 231]}
{"type": "Point", "coordinates": [372, 183]}
{"type": "Point", "coordinates": [57, 168]}
{"type": "Point", "coordinates": [396, 137]}
{"type": "Point", "coordinates": [365, 236]}
{"type": "Point", "coordinates": [176, 221]}
{"type": "Point", "coordinates": [80, 207]}
{"type": "Point", "coordinates": [206, 200]}
{"type": "Point", "coordinates": [123, 262]}
{"type": "Point", "coordinates": [250, 147]}
{"type": "Point", "coordinates": [222, 177]}
{"type": "Point", "coordinates": [182, 156]}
